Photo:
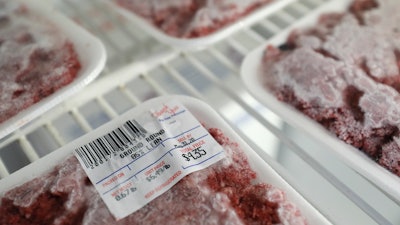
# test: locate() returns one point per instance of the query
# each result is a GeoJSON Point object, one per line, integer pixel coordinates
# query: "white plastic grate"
{"type": "Point", "coordinates": [139, 68]}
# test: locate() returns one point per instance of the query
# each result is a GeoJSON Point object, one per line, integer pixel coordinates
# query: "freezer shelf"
{"type": "Point", "coordinates": [140, 68]}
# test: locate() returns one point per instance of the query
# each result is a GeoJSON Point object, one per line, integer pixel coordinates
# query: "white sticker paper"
{"type": "Point", "coordinates": [145, 156]}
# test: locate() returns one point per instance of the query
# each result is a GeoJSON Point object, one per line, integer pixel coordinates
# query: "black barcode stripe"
{"type": "Point", "coordinates": [103, 146]}
{"type": "Point", "coordinates": [123, 136]}
{"type": "Point", "coordinates": [118, 139]}
{"type": "Point", "coordinates": [109, 146]}
{"type": "Point", "coordinates": [130, 129]}
{"type": "Point", "coordinates": [95, 152]}
{"type": "Point", "coordinates": [86, 155]}
{"type": "Point", "coordinates": [111, 141]}
{"type": "Point", "coordinates": [132, 134]}
{"type": "Point", "coordinates": [134, 130]}
{"type": "Point", "coordinates": [91, 154]}
{"type": "Point", "coordinates": [81, 156]}
{"type": "Point", "coordinates": [143, 131]}
{"type": "Point", "coordinates": [100, 150]}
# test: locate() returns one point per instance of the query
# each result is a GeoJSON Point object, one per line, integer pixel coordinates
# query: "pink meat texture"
{"type": "Point", "coordinates": [36, 59]}
{"type": "Point", "coordinates": [191, 18]}
{"type": "Point", "coordinates": [228, 192]}
{"type": "Point", "coordinates": [344, 74]}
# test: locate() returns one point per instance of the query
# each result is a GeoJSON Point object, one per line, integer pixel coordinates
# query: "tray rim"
{"type": "Point", "coordinates": [205, 114]}
{"type": "Point", "coordinates": [199, 43]}
{"type": "Point", "coordinates": [91, 53]}
{"type": "Point", "coordinates": [352, 157]}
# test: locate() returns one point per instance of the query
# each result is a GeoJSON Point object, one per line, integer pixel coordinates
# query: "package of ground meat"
{"type": "Point", "coordinates": [170, 160]}
{"type": "Point", "coordinates": [195, 24]}
{"type": "Point", "coordinates": [335, 74]}
{"type": "Point", "coordinates": [44, 58]}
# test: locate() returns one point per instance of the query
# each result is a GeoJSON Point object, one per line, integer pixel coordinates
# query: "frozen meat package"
{"type": "Point", "coordinates": [195, 24]}
{"type": "Point", "coordinates": [335, 74]}
{"type": "Point", "coordinates": [44, 58]}
{"type": "Point", "coordinates": [169, 160]}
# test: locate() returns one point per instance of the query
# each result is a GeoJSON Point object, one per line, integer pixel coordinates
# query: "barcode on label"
{"type": "Point", "coordinates": [103, 148]}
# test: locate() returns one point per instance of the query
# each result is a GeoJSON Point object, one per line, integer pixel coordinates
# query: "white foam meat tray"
{"type": "Point", "coordinates": [204, 41]}
{"type": "Point", "coordinates": [251, 76]}
{"type": "Point", "coordinates": [91, 54]}
{"type": "Point", "coordinates": [206, 115]}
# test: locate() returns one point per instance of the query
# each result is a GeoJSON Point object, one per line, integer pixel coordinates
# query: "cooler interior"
{"type": "Point", "coordinates": [140, 68]}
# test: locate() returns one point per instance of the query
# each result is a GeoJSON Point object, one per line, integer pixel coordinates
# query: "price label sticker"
{"type": "Point", "coordinates": [145, 156]}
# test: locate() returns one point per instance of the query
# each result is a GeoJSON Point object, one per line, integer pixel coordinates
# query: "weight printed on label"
{"type": "Point", "coordinates": [145, 156]}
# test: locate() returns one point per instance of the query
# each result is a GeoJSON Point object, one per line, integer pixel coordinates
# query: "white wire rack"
{"type": "Point", "coordinates": [140, 68]}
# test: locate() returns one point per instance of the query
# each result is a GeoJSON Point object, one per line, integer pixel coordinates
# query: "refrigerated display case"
{"type": "Point", "coordinates": [139, 68]}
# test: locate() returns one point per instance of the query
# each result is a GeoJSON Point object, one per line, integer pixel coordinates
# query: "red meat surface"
{"type": "Point", "coordinates": [228, 192]}
{"type": "Point", "coordinates": [191, 18]}
{"type": "Point", "coordinates": [35, 59]}
{"type": "Point", "coordinates": [344, 74]}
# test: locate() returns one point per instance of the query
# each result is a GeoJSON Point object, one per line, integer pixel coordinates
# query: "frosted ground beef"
{"type": "Point", "coordinates": [35, 59]}
{"type": "Point", "coordinates": [191, 18]}
{"type": "Point", "coordinates": [344, 73]}
{"type": "Point", "coordinates": [225, 193]}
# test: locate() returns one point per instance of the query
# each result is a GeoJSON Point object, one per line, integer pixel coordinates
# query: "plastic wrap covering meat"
{"type": "Point", "coordinates": [225, 193]}
{"type": "Point", "coordinates": [344, 73]}
{"type": "Point", "coordinates": [191, 18]}
{"type": "Point", "coordinates": [36, 59]}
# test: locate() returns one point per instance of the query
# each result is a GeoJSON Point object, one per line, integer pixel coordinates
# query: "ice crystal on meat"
{"type": "Point", "coordinates": [227, 192]}
{"type": "Point", "coordinates": [35, 59]}
{"type": "Point", "coordinates": [344, 74]}
{"type": "Point", "coordinates": [191, 18]}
